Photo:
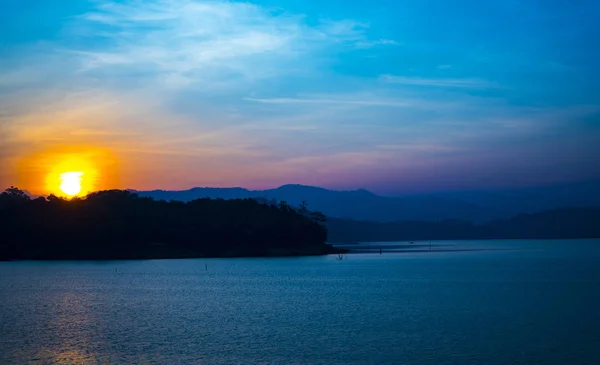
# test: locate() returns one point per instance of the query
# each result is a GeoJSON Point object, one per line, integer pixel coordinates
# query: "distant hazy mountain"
{"type": "Point", "coordinates": [508, 202]}
{"type": "Point", "coordinates": [476, 206]}
{"type": "Point", "coordinates": [553, 224]}
{"type": "Point", "coordinates": [355, 204]}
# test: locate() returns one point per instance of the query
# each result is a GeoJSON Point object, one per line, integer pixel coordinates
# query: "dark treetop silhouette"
{"type": "Point", "coordinates": [119, 224]}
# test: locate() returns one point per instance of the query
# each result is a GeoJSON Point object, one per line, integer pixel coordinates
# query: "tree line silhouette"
{"type": "Point", "coordinates": [575, 222]}
{"type": "Point", "coordinates": [119, 224]}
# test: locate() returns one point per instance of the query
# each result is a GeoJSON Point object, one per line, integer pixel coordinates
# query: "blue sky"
{"type": "Point", "coordinates": [392, 96]}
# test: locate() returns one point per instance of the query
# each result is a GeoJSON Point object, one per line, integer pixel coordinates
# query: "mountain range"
{"type": "Point", "coordinates": [474, 206]}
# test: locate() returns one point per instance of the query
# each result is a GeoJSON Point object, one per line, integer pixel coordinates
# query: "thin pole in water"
{"type": "Point", "coordinates": [206, 267]}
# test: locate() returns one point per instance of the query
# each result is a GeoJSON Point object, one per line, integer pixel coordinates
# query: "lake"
{"type": "Point", "coordinates": [477, 302]}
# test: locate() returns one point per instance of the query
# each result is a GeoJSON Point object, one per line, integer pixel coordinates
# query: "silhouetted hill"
{"type": "Point", "coordinates": [476, 206]}
{"type": "Point", "coordinates": [356, 204]}
{"type": "Point", "coordinates": [559, 223]}
{"type": "Point", "coordinates": [120, 225]}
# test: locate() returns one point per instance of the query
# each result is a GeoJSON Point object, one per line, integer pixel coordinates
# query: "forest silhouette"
{"type": "Point", "coordinates": [118, 224]}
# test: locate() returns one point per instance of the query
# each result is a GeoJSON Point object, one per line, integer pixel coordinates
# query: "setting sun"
{"type": "Point", "coordinates": [70, 183]}
{"type": "Point", "coordinates": [73, 175]}
{"type": "Point", "coordinates": [69, 171]}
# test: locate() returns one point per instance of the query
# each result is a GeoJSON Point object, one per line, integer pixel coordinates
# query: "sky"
{"type": "Point", "coordinates": [394, 96]}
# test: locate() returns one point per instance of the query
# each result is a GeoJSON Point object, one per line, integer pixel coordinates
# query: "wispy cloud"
{"type": "Point", "coordinates": [371, 99]}
{"type": "Point", "coordinates": [190, 42]}
{"type": "Point", "coordinates": [436, 82]}
{"type": "Point", "coordinates": [352, 33]}
{"type": "Point", "coordinates": [346, 29]}
{"type": "Point", "coordinates": [186, 43]}
{"type": "Point", "coordinates": [380, 42]}
{"type": "Point", "coordinates": [374, 102]}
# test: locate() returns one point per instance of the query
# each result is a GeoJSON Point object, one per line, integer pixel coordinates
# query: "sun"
{"type": "Point", "coordinates": [72, 175]}
{"type": "Point", "coordinates": [70, 183]}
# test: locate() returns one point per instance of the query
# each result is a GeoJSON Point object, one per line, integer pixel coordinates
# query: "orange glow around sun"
{"type": "Point", "coordinates": [72, 175]}
{"type": "Point", "coordinates": [69, 172]}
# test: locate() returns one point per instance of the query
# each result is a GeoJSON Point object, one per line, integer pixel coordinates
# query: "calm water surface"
{"type": "Point", "coordinates": [508, 302]}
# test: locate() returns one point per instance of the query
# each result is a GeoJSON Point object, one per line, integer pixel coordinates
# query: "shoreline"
{"type": "Point", "coordinates": [272, 253]}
